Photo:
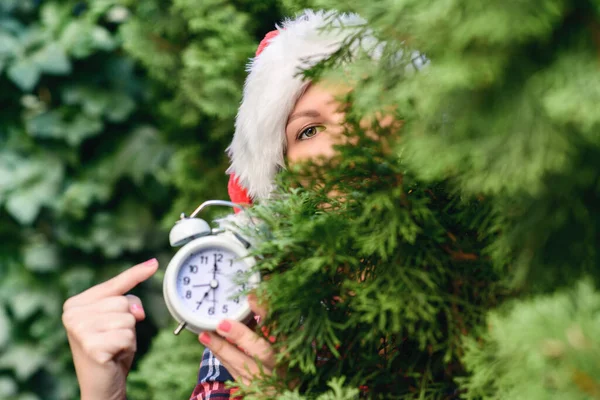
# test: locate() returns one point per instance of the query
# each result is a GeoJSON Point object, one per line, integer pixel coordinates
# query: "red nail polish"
{"type": "Point", "coordinates": [150, 263]}
{"type": "Point", "coordinates": [225, 326]}
{"type": "Point", "coordinates": [204, 338]}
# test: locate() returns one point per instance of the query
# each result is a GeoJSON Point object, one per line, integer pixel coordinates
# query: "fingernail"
{"type": "Point", "coordinates": [204, 338]}
{"type": "Point", "coordinates": [224, 326]}
{"type": "Point", "coordinates": [269, 337]}
{"type": "Point", "coordinates": [150, 263]}
{"type": "Point", "coordinates": [137, 307]}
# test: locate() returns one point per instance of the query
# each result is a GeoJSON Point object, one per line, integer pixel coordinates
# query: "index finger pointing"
{"type": "Point", "coordinates": [120, 284]}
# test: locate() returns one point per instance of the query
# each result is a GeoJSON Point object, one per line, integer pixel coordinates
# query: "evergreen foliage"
{"type": "Point", "coordinates": [372, 276]}
{"type": "Point", "coordinates": [172, 362]}
{"type": "Point", "coordinates": [557, 357]}
{"type": "Point", "coordinates": [504, 115]}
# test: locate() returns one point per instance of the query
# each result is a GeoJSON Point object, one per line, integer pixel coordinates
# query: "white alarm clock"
{"type": "Point", "coordinates": [207, 279]}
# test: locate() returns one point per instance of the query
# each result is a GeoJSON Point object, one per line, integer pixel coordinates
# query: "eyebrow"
{"type": "Point", "coordinates": [307, 113]}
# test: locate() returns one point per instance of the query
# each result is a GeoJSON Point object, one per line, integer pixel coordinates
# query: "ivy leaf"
{"type": "Point", "coordinates": [121, 232]}
{"type": "Point", "coordinates": [52, 124]}
{"type": "Point", "coordinates": [143, 154]}
{"type": "Point", "coordinates": [75, 38]}
{"type": "Point", "coordinates": [48, 124]}
{"type": "Point", "coordinates": [73, 94]}
{"type": "Point", "coordinates": [25, 303]}
{"type": "Point", "coordinates": [115, 105]}
{"type": "Point", "coordinates": [94, 101]}
{"type": "Point", "coordinates": [77, 279]}
{"type": "Point", "coordinates": [81, 39]}
{"type": "Point", "coordinates": [117, 14]}
{"type": "Point", "coordinates": [8, 165]}
{"type": "Point", "coordinates": [120, 108]}
{"type": "Point", "coordinates": [12, 25]}
{"type": "Point", "coordinates": [80, 194]}
{"type": "Point", "coordinates": [8, 387]}
{"type": "Point", "coordinates": [8, 45]}
{"type": "Point", "coordinates": [52, 59]}
{"type": "Point", "coordinates": [40, 256]}
{"type": "Point", "coordinates": [113, 233]}
{"type": "Point", "coordinates": [102, 38]}
{"type": "Point", "coordinates": [28, 396]}
{"type": "Point", "coordinates": [51, 15]}
{"type": "Point", "coordinates": [81, 128]}
{"type": "Point", "coordinates": [23, 210]}
{"type": "Point", "coordinates": [25, 360]}
{"type": "Point", "coordinates": [40, 181]}
{"type": "Point", "coordinates": [24, 73]}
{"type": "Point", "coordinates": [4, 330]}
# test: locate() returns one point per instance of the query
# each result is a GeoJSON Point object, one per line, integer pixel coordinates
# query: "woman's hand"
{"type": "Point", "coordinates": [100, 325]}
{"type": "Point", "coordinates": [237, 347]}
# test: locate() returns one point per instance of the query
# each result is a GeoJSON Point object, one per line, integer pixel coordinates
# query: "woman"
{"type": "Point", "coordinates": [282, 119]}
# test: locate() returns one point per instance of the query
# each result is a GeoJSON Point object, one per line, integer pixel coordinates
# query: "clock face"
{"type": "Point", "coordinates": [210, 282]}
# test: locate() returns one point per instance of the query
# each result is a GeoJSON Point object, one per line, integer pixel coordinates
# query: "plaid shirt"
{"type": "Point", "coordinates": [213, 375]}
{"type": "Point", "coordinates": [211, 380]}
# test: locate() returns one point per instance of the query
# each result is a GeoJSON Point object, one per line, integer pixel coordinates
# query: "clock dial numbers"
{"type": "Point", "coordinates": [210, 283]}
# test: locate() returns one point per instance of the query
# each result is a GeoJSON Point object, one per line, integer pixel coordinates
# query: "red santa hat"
{"type": "Point", "coordinates": [273, 85]}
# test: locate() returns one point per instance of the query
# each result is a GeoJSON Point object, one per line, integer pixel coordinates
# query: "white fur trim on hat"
{"type": "Point", "coordinates": [273, 86]}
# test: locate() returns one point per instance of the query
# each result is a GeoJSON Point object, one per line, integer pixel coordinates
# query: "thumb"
{"type": "Point", "coordinates": [136, 307]}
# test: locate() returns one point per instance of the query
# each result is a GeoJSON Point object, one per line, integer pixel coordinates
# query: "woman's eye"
{"type": "Point", "coordinates": [310, 132]}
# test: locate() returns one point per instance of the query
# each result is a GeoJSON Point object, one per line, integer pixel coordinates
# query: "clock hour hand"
{"type": "Point", "coordinates": [208, 284]}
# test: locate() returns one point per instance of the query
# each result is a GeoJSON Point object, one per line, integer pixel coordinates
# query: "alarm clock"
{"type": "Point", "coordinates": [207, 279]}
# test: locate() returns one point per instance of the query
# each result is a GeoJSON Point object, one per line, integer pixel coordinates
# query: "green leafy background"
{"type": "Point", "coordinates": [114, 119]}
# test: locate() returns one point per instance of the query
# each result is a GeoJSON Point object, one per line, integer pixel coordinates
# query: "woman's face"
{"type": "Point", "coordinates": [315, 124]}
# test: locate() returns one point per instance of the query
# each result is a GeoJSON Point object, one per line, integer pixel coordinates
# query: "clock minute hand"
{"type": "Point", "coordinates": [203, 297]}
{"type": "Point", "coordinates": [215, 270]}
